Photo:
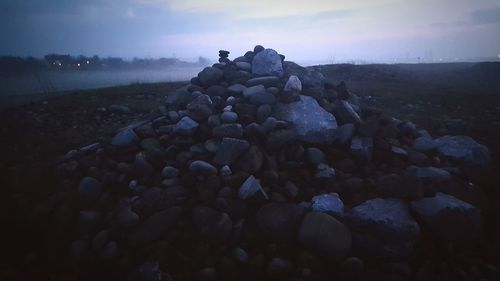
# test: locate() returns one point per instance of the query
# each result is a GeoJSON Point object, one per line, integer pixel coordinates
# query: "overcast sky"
{"type": "Point", "coordinates": [319, 30]}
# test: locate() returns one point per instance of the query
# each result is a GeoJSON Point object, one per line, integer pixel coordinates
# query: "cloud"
{"type": "Point", "coordinates": [486, 16]}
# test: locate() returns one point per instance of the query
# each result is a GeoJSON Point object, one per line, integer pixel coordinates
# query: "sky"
{"type": "Point", "coordinates": [314, 30]}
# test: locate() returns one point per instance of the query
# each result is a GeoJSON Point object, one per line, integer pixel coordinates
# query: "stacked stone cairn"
{"type": "Point", "coordinates": [259, 169]}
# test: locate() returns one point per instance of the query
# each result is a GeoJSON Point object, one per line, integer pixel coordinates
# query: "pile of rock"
{"type": "Point", "coordinates": [260, 169]}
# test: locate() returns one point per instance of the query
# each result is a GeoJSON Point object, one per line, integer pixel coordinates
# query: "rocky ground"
{"type": "Point", "coordinates": [259, 169]}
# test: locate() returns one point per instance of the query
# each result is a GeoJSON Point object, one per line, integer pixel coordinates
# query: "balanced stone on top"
{"type": "Point", "coordinates": [223, 56]}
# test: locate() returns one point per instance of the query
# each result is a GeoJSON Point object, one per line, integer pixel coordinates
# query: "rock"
{"type": "Point", "coordinates": [178, 99]}
{"type": "Point", "coordinates": [233, 130]}
{"type": "Point", "coordinates": [383, 228]}
{"type": "Point", "coordinates": [225, 171]}
{"type": "Point", "coordinates": [312, 123]}
{"type": "Point", "coordinates": [263, 112]}
{"type": "Point", "coordinates": [345, 113]}
{"type": "Point", "coordinates": [208, 274]}
{"type": "Point", "coordinates": [216, 91]}
{"type": "Point", "coordinates": [310, 77]}
{"type": "Point", "coordinates": [202, 168]}
{"type": "Point", "coordinates": [185, 127]}
{"type": "Point", "coordinates": [325, 236]}
{"type": "Point", "coordinates": [266, 81]}
{"type": "Point", "coordinates": [362, 147]}
{"type": "Point", "coordinates": [323, 171]}
{"type": "Point", "coordinates": [169, 172]}
{"type": "Point", "coordinates": [154, 227]}
{"type": "Point", "coordinates": [246, 112]}
{"type": "Point", "coordinates": [281, 138]}
{"type": "Point", "coordinates": [240, 255]}
{"type": "Point", "coordinates": [200, 108]}
{"type": "Point", "coordinates": [119, 109]}
{"type": "Point", "coordinates": [430, 175]}
{"type": "Point", "coordinates": [328, 203]}
{"type": "Point", "coordinates": [278, 266]}
{"type": "Point", "coordinates": [424, 144]}
{"type": "Point", "coordinates": [400, 186]}
{"type": "Point", "coordinates": [352, 268]}
{"type": "Point", "coordinates": [150, 271]}
{"type": "Point", "coordinates": [210, 76]}
{"type": "Point", "coordinates": [214, 226]}
{"type": "Point", "coordinates": [89, 189]}
{"type": "Point", "coordinates": [464, 149]}
{"type": "Point", "coordinates": [250, 187]}
{"type": "Point", "coordinates": [449, 218]}
{"type": "Point", "coordinates": [229, 150]}
{"type": "Point", "coordinates": [257, 49]}
{"type": "Point", "coordinates": [293, 84]}
{"type": "Point", "coordinates": [261, 98]}
{"type": "Point", "coordinates": [246, 66]}
{"type": "Point", "coordinates": [315, 156]}
{"type": "Point", "coordinates": [236, 89]}
{"type": "Point", "coordinates": [251, 162]}
{"type": "Point", "coordinates": [280, 221]}
{"type": "Point", "coordinates": [125, 137]}
{"type": "Point", "coordinates": [213, 120]}
{"type": "Point", "coordinates": [229, 117]}
{"type": "Point", "coordinates": [345, 133]}
{"type": "Point", "coordinates": [267, 62]}
{"type": "Point", "coordinates": [248, 92]}
{"type": "Point", "coordinates": [126, 217]}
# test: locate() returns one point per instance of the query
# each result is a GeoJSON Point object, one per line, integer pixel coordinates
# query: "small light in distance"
{"type": "Point", "coordinates": [88, 62]}
{"type": "Point", "coordinates": [78, 64]}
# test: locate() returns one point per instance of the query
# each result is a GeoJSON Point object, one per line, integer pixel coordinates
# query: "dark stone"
{"type": "Point", "coordinates": [266, 81]}
{"type": "Point", "coordinates": [89, 189]}
{"type": "Point", "coordinates": [200, 108]}
{"type": "Point", "coordinates": [154, 227]}
{"type": "Point", "coordinates": [230, 149]}
{"type": "Point", "coordinates": [251, 162]}
{"type": "Point", "coordinates": [214, 226]}
{"type": "Point", "coordinates": [210, 76]}
{"type": "Point", "coordinates": [280, 221]}
{"type": "Point", "coordinates": [233, 130]}
{"type": "Point", "coordinates": [267, 62]}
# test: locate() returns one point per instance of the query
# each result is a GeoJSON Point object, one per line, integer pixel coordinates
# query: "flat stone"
{"type": "Point", "coordinates": [233, 130]}
{"type": "Point", "coordinates": [203, 168]}
{"type": "Point", "coordinates": [229, 150]}
{"type": "Point", "coordinates": [236, 89]}
{"type": "Point", "coordinates": [250, 187]}
{"type": "Point", "coordinates": [345, 113]}
{"type": "Point", "coordinates": [266, 81]}
{"type": "Point", "coordinates": [312, 123]}
{"type": "Point", "coordinates": [424, 144]}
{"type": "Point", "coordinates": [261, 98]}
{"type": "Point", "coordinates": [125, 137]}
{"type": "Point", "coordinates": [432, 175]}
{"type": "Point", "coordinates": [383, 228]}
{"type": "Point", "coordinates": [186, 127]}
{"type": "Point", "coordinates": [328, 203]}
{"type": "Point", "coordinates": [248, 92]}
{"type": "Point", "coordinates": [464, 149]}
{"type": "Point", "coordinates": [243, 65]}
{"type": "Point", "coordinates": [267, 62]}
{"type": "Point", "coordinates": [450, 218]}
{"type": "Point", "coordinates": [325, 236]}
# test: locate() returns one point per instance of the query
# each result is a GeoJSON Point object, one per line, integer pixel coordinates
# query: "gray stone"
{"type": "Point", "coordinates": [279, 266]}
{"type": "Point", "coordinates": [424, 144]}
{"type": "Point", "coordinates": [312, 123]}
{"type": "Point", "coordinates": [202, 168]}
{"type": "Point", "coordinates": [236, 89]}
{"type": "Point", "coordinates": [229, 150]}
{"type": "Point", "coordinates": [263, 112]}
{"type": "Point", "coordinates": [125, 137]}
{"type": "Point", "coordinates": [261, 98]}
{"type": "Point", "coordinates": [280, 221]}
{"type": "Point", "coordinates": [280, 138]}
{"type": "Point", "coordinates": [449, 218]}
{"type": "Point", "coordinates": [323, 171]}
{"type": "Point", "coordinates": [248, 92]}
{"type": "Point", "coordinates": [432, 175]}
{"type": "Point", "coordinates": [214, 120]}
{"type": "Point", "coordinates": [309, 76]}
{"type": "Point", "coordinates": [362, 147]}
{"type": "Point", "coordinates": [169, 172]}
{"type": "Point", "coordinates": [178, 99]}
{"type": "Point", "coordinates": [229, 117]}
{"type": "Point", "coordinates": [225, 171]}
{"type": "Point", "coordinates": [345, 113]}
{"type": "Point", "coordinates": [150, 271]}
{"type": "Point", "coordinates": [251, 162]}
{"type": "Point", "coordinates": [293, 84]}
{"type": "Point", "coordinates": [210, 76]}
{"type": "Point", "coordinates": [464, 149]}
{"type": "Point", "coordinates": [234, 130]}
{"type": "Point", "coordinates": [257, 49]}
{"type": "Point", "coordinates": [250, 187]}
{"type": "Point", "coordinates": [240, 255]}
{"type": "Point", "coordinates": [242, 65]}
{"type": "Point", "coordinates": [325, 236]}
{"type": "Point", "coordinates": [345, 133]}
{"type": "Point", "coordinates": [154, 227]}
{"type": "Point", "coordinates": [89, 189]}
{"type": "Point", "coordinates": [407, 185]}
{"type": "Point", "coordinates": [186, 127]}
{"type": "Point", "coordinates": [328, 203]}
{"type": "Point", "coordinates": [399, 151]}
{"type": "Point", "coordinates": [315, 156]}
{"type": "Point", "coordinates": [200, 108]}
{"type": "Point", "coordinates": [383, 228]}
{"type": "Point", "coordinates": [216, 91]}
{"type": "Point", "coordinates": [267, 62]}
{"type": "Point", "coordinates": [266, 81]}
{"type": "Point", "coordinates": [214, 226]}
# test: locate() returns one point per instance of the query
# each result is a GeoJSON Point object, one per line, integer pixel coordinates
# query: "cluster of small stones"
{"type": "Point", "coordinates": [260, 170]}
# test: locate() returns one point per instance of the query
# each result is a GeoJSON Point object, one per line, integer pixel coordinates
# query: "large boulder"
{"type": "Point", "coordinates": [449, 218]}
{"type": "Point", "coordinates": [325, 236]}
{"type": "Point", "coordinates": [312, 123]}
{"type": "Point", "coordinates": [309, 77]}
{"type": "Point", "coordinates": [267, 62]}
{"type": "Point", "coordinates": [464, 149]}
{"type": "Point", "coordinates": [383, 228]}
{"type": "Point", "coordinates": [210, 76]}
{"type": "Point", "coordinates": [280, 221]}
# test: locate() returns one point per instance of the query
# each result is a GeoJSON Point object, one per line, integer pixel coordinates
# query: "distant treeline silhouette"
{"type": "Point", "coordinates": [12, 65]}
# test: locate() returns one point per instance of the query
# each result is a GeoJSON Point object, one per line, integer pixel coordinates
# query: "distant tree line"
{"type": "Point", "coordinates": [12, 65]}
